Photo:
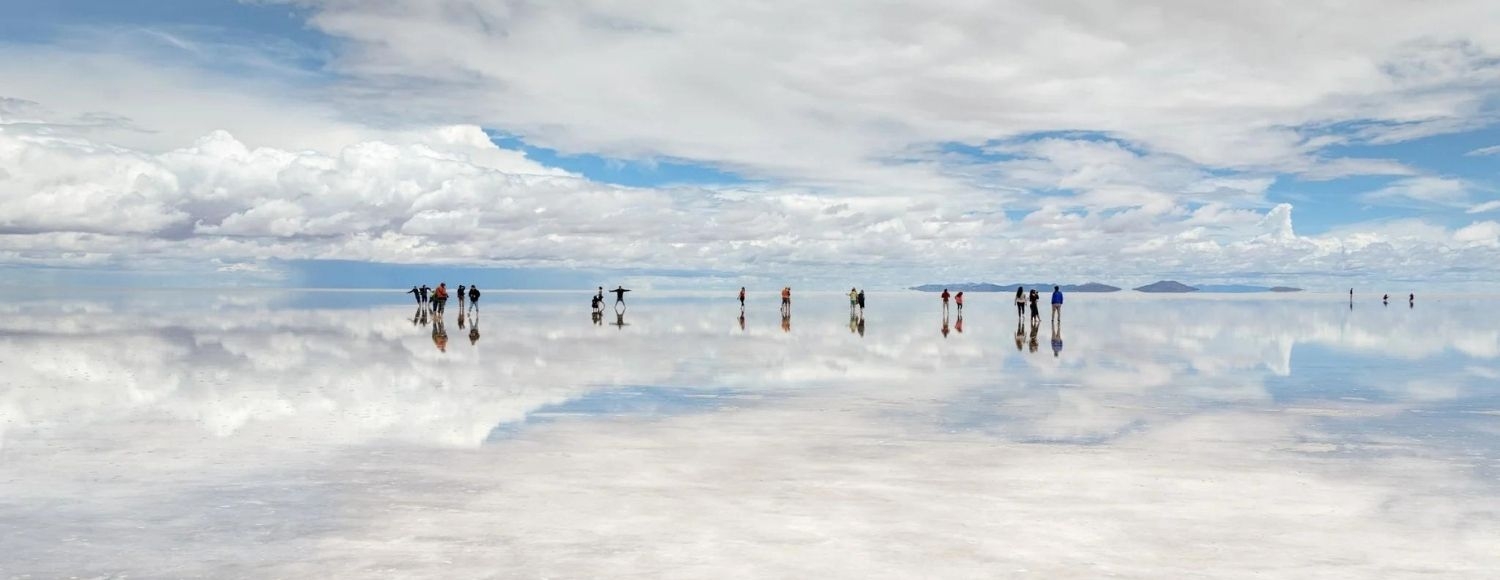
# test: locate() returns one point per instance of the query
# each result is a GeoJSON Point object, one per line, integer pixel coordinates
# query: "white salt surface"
{"type": "Point", "coordinates": [268, 435]}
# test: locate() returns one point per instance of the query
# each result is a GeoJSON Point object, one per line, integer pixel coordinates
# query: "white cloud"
{"type": "Point", "coordinates": [1491, 150]}
{"type": "Point", "coordinates": [1440, 190]}
{"type": "Point", "coordinates": [1485, 207]}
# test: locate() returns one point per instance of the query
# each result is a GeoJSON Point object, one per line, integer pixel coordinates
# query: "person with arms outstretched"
{"type": "Point", "coordinates": [415, 294]}
{"type": "Point", "coordinates": [620, 295]}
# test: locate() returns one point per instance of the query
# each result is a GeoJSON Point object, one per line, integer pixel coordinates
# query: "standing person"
{"type": "Point", "coordinates": [945, 297]}
{"type": "Point", "coordinates": [462, 294]}
{"type": "Point", "coordinates": [473, 296]}
{"type": "Point", "coordinates": [619, 295]}
{"type": "Point", "coordinates": [424, 290]}
{"type": "Point", "coordinates": [1057, 302]}
{"type": "Point", "coordinates": [742, 299]}
{"type": "Point", "coordinates": [1020, 303]}
{"type": "Point", "coordinates": [440, 298]}
{"type": "Point", "coordinates": [1385, 299]}
{"type": "Point", "coordinates": [1411, 301]}
{"type": "Point", "coordinates": [958, 299]}
{"type": "Point", "coordinates": [853, 298]}
{"type": "Point", "coordinates": [415, 295]}
{"type": "Point", "coordinates": [786, 301]}
{"type": "Point", "coordinates": [861, 301]}
{"type": "Point", "coordinates": [1036, 313]}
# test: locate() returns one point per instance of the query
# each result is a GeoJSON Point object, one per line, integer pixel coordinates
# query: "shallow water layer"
{"type": "Point", "coordinates": [344, 434]}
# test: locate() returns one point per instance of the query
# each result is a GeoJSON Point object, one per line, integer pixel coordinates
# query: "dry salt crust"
{"type": "Point", "coordinates": [341, 443]}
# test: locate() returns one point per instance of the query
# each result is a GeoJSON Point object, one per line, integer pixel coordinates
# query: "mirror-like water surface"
{"type": "Point", "coordinates": [329, 434]}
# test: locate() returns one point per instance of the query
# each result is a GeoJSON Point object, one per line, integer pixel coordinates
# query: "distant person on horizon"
{"type": "Point", "coordinates": [1020, 303]}
{"type": "Point", "coordinates": [1412, 300]}
{"type": "Point", "coordinates": [424, 290]}
{"type": "Point", "coordinates": [415, 295]}
{"type": "Point", "coordinates": [958, 299]}
{"type": "Point", "coordinates": [473, 296]}
{"type": "Point", "coordinates": [1057, 302]}
{"type": "Point", "coordinates": [853, 298]}
{"type": "Point", "coordinates": [742, 301]}
{"type": "Point", "coordinates": [786, 301]}
{"type": "Point", "coordinates": [945, 297]}
{"type": "Point", "coordinates": [1036, 313]}
{"type": "Point", "coordinates": [860, 300]}
{"type": "Point", "coordinates": [619, 295]}
{"type": "Point", "coordinates": [463, 292]}
{"type": "Point", "coordinates": [1386, 299]}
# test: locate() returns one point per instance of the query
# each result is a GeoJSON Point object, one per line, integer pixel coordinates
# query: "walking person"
{"type": "Point", "coordinates": [945, 297]}
{"type": "Point", "coordinates": [1057, 302]}
{"type": "Point", "coordinates": [1020, 303]}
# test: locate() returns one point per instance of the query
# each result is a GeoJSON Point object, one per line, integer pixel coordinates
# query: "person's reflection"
{"type": "Point", "coordinates": [619, 321]}
{"type": "Point", "coordinates": [439, 334]}
{"type": "Point", "coordinates": [945, 319]}
{"type": "Point", "coordinates": [958, 324]}
{"type": "Point", "coordinates": [425, 311]}
{"type": "Point", "coordinates": [597, 317]}
{"type": "Point", "coordinates": [416, 317]}
{"type": "Point", "coordinates": [742, 320]}
{"type": "Point", "coordinates": [461, 318]}
{"type": "Point", "coordinates": [473, 326]}
{"type": "Point", "coordinates": [1020, 335]}
{"type": "Point", "coordinates": [1036, 328]}
{"type": "Point", "coordinates": [853, 321]}
{"type": "Point", "coordinates": [786, 321]}
{"type": "Point", "coordinates": [861, 323]}
{"type": "Point", "coordinates": [1056, 342]}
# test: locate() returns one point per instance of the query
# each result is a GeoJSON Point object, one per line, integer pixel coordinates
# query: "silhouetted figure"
{"type": "Point", "coordinates": [1411, 301]}
{"type": "Point", "coordinates": [861, 300]}
{"type": "Point", "coordinates": [463, 293]}
{"type": "Point", "coordinates": [742, 302]}
{"type": "Point", "coordinates": [1056, 342]}
{"type": "Point", "coordinates": [599, 300]}
{"type": "Point", "coordinates": [619, 296]}
{"type": "Point", "coordinates": [424, 290]}
{"type": "Point", "coordinates": [1385, 299]}
{"type": "Point", "coordinates": [415, 295]}
{"type": "Point", "coordinates": [1036, 312]}
{"type": "Point", "coordinates": [1020, 304]}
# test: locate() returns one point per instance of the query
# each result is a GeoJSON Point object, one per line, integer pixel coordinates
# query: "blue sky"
{"type": "Point", "coordinates": [635, 138]}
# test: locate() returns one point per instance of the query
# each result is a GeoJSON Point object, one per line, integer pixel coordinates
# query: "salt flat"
{"type": "Point", "coordinates": [258, 434]}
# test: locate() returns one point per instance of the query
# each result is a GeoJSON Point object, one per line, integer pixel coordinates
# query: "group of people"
{"type": "Point", "coordinates": [436, 299]}
{"type": "Point", "coordinates": [597, 304]}
{"type": "Point", "coordinates": [1385, 300]}
{"type": "Point", "coordinates": [1023, 299]}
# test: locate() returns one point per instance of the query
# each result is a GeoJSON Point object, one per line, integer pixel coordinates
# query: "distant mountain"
{"type": "Point", "coordinates": [1166, 286]}
{"type": "Point", "coordinates": [988, 287]}
{"type": "Point", "coordinates": [964, 287]}
{"type": "Point", "coordinates": [1285, 289]}
{"type": "Point", "coordinates": [1090, 287]}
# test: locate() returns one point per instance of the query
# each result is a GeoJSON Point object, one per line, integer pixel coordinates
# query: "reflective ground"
{"type": "Point", "coordinates": [327, 434]}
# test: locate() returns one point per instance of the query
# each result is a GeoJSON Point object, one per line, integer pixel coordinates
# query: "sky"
{"type": "Point", "coordinates": [1318, 144]}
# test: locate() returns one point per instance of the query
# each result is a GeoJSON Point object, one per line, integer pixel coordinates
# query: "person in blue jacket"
{"type": "Point", "coordinates": [1057, 301]}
